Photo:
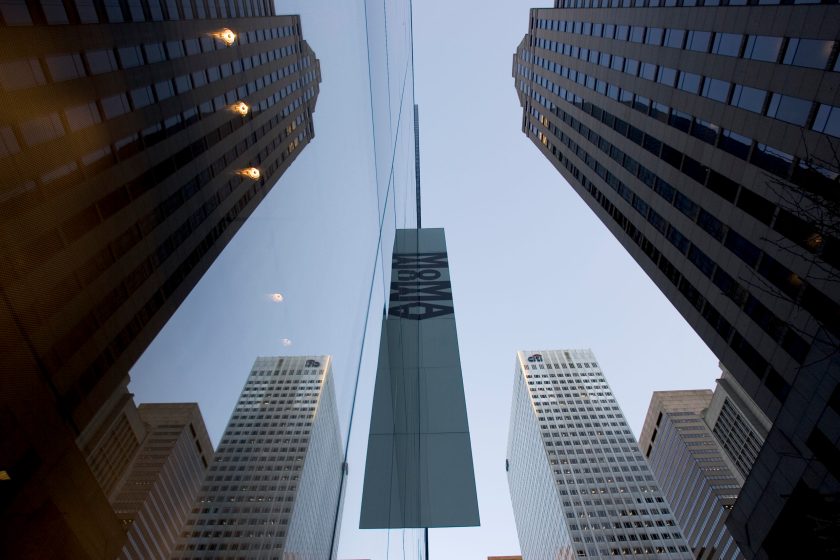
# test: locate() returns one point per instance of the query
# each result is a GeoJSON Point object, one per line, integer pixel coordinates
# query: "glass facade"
{"type": "Point", "coordinates": [130, 163]}
{"type": "Point", "coordinates": [571, 451]}
{"type": "Point", "coordinates": [322, 239]}
{"type": "Point", "coordinates": [137, 139]}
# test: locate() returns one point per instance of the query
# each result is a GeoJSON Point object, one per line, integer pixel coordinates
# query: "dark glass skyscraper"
{"type": "Point", "coordinates": [706, 138]}
{"type": "Point", "coordinates": [136, 138]}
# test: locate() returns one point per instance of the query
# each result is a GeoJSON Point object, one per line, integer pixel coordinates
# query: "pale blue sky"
{"type": "Point", "coordinates": [532, 266]}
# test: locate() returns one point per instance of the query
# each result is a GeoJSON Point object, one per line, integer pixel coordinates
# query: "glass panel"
{"type": "Point", "coordinates": [698, 41]}
{"type": "Point", "coordinates": [789, 109]}
{"type": "Point", "coordinates": [761, 47]}
{"type": "Point", "coordinates": [809, 52]}
{"type": "Point", "coordinates": [749, 98]}
{"type": "Point", "coordinates": [716, 89]}
{"type": "Point", "coordinates": [728, 44]}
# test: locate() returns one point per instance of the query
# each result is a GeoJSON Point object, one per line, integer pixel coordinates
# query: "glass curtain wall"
{"type": "Point", "coordinates": [308, 272]}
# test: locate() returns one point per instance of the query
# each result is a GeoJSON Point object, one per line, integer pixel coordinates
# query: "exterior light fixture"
{"type": "Point", "coordinates": [241, 107]}
{"type": "Point", "coordinates": [250, 172]}
{"type": "Point", "coordinates": [277, 297]}
{"type": "Point", "coordinates": [226, 36]}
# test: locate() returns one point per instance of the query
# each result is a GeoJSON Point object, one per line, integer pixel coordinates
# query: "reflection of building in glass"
{"type": "Point", "coordinates": [274, 488]}
{"type": "Point", "coordinates": [580, 487]}
{"type": "Point", "coordinates": [706, 139]}
{"type": "Point", "coordinates": [150, 462]}
{"type": "Point", "coordinates": [738, 424]}
{"type": "Point", "coordinates": [120, 183]}
{"type": "Point", "coordinates": [691, 469]}
{"type": "Point", "coordinates": [159, 490]}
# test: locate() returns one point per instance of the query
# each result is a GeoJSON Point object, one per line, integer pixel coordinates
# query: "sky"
{"type": "Point", "coordinates": [531, 265]}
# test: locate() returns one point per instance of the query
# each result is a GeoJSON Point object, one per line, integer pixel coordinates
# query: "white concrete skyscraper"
{"type": "Point", "coordinates": [579, 485]}
{"type": "Point", "coordinates": [273, 490]}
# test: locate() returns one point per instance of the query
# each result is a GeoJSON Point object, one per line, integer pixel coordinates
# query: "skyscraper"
{"type": "Point", "coordinates": [273, 490]}
{"type": "Point", "coordinates": [738, 425]}
{"type": "Point", "coordinates": [691, 470]}
{"type": "Point", "coordinates": [580, 487]}
{"type": "Point", "coordinates": [136, 139]}
{"type": "Point", "coordinates": [158, 491]}
{"type": "Point", "coordinates": [706, 140]}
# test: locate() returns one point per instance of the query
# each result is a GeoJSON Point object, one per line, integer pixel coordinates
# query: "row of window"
{"type": "Point", "coordinates": [677, 3]}
{"type": "Point", "coordinates": [796, 51]}
{"type": "Point", "coordinates": [606, 468]}
{"type": "Point", "coordinates": [248, 488]}
{"type": "Point", "coordinates": [595, 525]}
{"type": "Point", "coordinates": [592, 481]}
{"type": "Point", "coordinates": [635, 551]}
{"type": "Point", "coordinates": [243, 509]}
{"type": "Point", "coordinates": [622, 537]}
{"type": "Point", "coordinates": [48, 127]}
{"type": "Point", "coordinates": [29, 72]}
{"type": "Point", "coordinates": [249, 543]}
{"type": "Point", "coordinates": [580, 431]}
{"type": "Point", "coordinates": [740, 246]}
{"type": "Point", "coordinates": [233, 498]}
{"type": "Point", "coordinates": [59, 12]}
{"type": "Point", "coordinates": [750, 356]}
{"type": "Point", "coordinates": [100, 159]}
{"type": "Point", "coordinates": [786, 108]}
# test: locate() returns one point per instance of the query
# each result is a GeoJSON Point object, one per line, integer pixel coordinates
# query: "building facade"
{"type": "Point", "coordinates": [159, 490]}
{"type": "Point", "coordinates": [149, 462]}
{"type": "Point", "coordinates": [111, 440]}
{"type": "Point", "coordinates": [579, 484]}
{"type": "Point", "coordinates": [273, 490]}
{"type": "Point", "coordinates": [737, 423]}
{"type": "Point", "coordinates": [136, 138]}
{"type": "Point", "coordinates": [690, 467]}
{"type": "Point", "coordinates": [705, 137]}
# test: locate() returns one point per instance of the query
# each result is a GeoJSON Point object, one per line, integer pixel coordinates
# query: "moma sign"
{"type": "Point", "coordinates": [420, 287]}
{"type": "Point", "coordinates": [419, 470]}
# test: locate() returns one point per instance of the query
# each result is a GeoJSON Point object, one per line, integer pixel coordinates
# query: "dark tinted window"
{"type": "Point", "coordinates": [748, 98]}
{"type": "Point", "coordinates": [728, 44]}
{"type": "Point", "coordinates": [667, 76]}
{"type": "Point", "coordinates": [735, 144]}
{"type": "Point", "coordinates": [674, 38]}
{"type": "Point", "coordinates": [808, 52]}
{"type": "Point", "coordinates": [100, 62]}
{"type": "Point", "coordinates": [789, 109]}
{"type": "Point", "coordinates": [130, 57]}
{"type": "Point", "coordinates": [698, 41]}
{"type": "Point", "coordinates": [689, 82]}
{"type": "Point", "coordinates": [716, 89]}
{"type": "Point", "coordinates": [761, 47]}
